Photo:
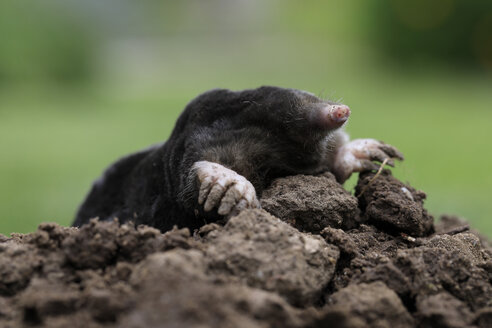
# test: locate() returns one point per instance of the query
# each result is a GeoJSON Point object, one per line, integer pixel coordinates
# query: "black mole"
{"type": "Point", "coordinates": [226, 147]}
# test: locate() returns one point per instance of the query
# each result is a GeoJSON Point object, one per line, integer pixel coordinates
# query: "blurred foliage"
{"type": "Point", "coordinates": [449, 32]}
{"type": "Point", "coordinates": [42, 42]}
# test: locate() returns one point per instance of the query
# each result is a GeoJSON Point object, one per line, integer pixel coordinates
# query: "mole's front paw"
{"type": "Point", "coordinates": [359, 155]}
{"type": "Point", "coordinates": [223, 188]}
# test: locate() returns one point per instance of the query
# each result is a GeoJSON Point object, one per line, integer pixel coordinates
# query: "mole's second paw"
{"type": "Point", "coordinates": [223, 188]}
{"type": "Point", "coordinates": [359, 155]}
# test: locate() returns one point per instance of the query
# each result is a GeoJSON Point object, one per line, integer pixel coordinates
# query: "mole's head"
{"type": "Point", "coordinates": [294, 113]}
{"type": "Point", "coordinates": [298, 126]}
{"type": "Point", "coordinates": [291, 105]}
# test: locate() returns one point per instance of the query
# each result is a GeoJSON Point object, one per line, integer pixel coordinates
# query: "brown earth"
{"type": "Point", "coordinates": [320, 258]}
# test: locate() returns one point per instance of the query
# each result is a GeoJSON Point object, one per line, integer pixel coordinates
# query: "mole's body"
{"type": "Point", "coordinates": [225, 148]}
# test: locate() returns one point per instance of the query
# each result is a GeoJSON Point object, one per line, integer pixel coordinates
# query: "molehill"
{"type": "Point", "coordinates": [314, 256]}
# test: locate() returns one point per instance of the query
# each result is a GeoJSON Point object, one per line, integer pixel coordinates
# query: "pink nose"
{"type": "Point", "coordinates": [340, 113]}
{"type": "Point", "coordinates": [336, 115]}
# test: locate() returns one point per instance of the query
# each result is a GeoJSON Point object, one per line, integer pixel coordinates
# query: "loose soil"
{"type": "Point", "coordinates": [313, 256]}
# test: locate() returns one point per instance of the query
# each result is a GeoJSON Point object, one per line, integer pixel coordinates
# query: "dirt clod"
{"type": "Point", "coordinates": [443, 310]}
{"type": "Point", "coordinates": [322, 263]}
{"type": "Point", "coordinates": [367, 305]}
{"type": "Point", "coordinates": [262, 251]}
{"type": "Point", "coordinates": [392, 205]}
{"type": "Point", "coordinates": [311, 203]}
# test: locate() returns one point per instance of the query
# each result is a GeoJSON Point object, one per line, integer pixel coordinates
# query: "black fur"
{"type": "Point", "coordinates": [261, 134]}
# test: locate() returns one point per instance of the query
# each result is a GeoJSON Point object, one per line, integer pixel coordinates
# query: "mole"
{"type": "Point", "coordinates": [225, 148]}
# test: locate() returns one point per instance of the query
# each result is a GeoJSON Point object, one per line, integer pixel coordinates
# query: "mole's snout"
{"type": "Point", "coordinates": [333, 116]}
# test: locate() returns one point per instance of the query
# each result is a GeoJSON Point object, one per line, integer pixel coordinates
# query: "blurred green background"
{"type": "Point", "coordinates": [85, 82]}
